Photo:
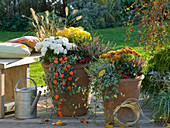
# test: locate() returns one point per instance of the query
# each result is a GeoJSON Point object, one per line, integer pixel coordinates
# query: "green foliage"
{"type": "Point", "coordinates": [154, 83]}
{"type": "Point", "coordinates": [161, 60]}
{"type": "Point", "coordinates": [161, 105]}
{"type": "Point", "coordinates": [153, 27]}
{"type": "Point", "coordinates": [156, 87]}
{"type": "Point", "coordinates": [100, 84]}
{"type": "Point", "coordinates": [92, 14]}
{"type": "Point", "coordinates": [13, 23]}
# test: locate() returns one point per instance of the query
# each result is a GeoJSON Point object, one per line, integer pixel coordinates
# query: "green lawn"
{"type": "Point", "coordinates": [114, 35]}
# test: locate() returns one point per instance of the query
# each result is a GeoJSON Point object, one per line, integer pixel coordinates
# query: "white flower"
{"type": "Point", "coordinates": [51, 39]}
{"type": "Point", "coordinates": [46, 39]}
{"type": "Point", "coordinates": [53, 46]}
{"type": "Point", "coordinates": [56, 51]}
{"type": "Point", "coordinates": [61, 49]}
{"type": "Point", "coordinates": [65, 51]}
{"type": "Point", "coordinates": [65, 41]}
{"type": "Point", "coordinates": [71, 46]}
{"type": "Point", "coordinates": [38, 46]}
{"type": "Point", "coordinates": [58, 41]}
{"type": "Point", "coordinates": [46, 43]}
{"type": "Point", "coordinates": [43, 50]}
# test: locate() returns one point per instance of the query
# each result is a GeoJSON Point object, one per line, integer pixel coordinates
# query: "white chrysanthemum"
{"type": "Point", "coordinates": [61, 49]}
{"type": "Point", "coordinates": [43, 50]}
{"type": "Point", "coordinates": [46, 39]}
{"type": "Point", "coordinates": [71, 46]}
{"type": "Point", "coordinates": [46, 43]}
{"type": "Point", "coordinates": [65, 41]}
{"type": "Point", "coordinates": [51, 39]}
{"type": "Point", "coordinates": [56, 51]}
{"type": "Point", "coordinates": [38, 46]}
{"type": "Point", "coordinates": [58, 41]}
{"type": "Point", "coordinates": [65, 51]}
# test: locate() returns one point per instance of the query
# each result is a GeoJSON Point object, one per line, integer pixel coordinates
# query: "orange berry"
{"type": "Point", "coordinates": [65, 69]}
{"type": "Point", "coordinates": [61, 100]}
{"type": "Point", "coordinates": [71, 73]}
{"type": "Point", "coordinates": [56, 58]}
{"type": "Point", "coordinates": [57, 96]}
{"type": "Point", "coordinates": [59, 113]}
{"type": "Point", "coordinates": [69, 66]}
{"type": "Point", "coordinates": [65, 80]}
{"type": "Point", "coordinates": [63, 83]}
{"type": "Point", "coordinates": [55, 81]}
{"type": "Point", "coordinates": [64, 55]}
{"type": "Point", "coordinates": [62, 75]}
{"type": "Point", "coordinates": [60, 105]}
{"type": "Point", "coordinates": [56, 61]}
{"type": "Point", "coordinates": [69, 88]}
{"type": "Point", "coordinates": [61, 59]}
{"type": "Point", "coordinates": [56, 74]}
{"type": "Point", "coordinates": [65, 58]}
{"type": "Point", "coordinates": [70, 78]}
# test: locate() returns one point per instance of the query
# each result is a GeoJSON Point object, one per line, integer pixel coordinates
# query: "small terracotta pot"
{"type": "Point", "coordinates": [131, 89]}
{"type": "Point", "coordinates": [68, 109]}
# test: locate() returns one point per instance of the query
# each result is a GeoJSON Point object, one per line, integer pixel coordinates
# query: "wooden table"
{"type": "Point", "coordinates": [12, 70]}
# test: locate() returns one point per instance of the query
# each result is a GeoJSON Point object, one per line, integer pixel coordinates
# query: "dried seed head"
{"type": "Point", "coordinates": [47, 20]}
{"type": "Point", "coordinates": [42, 17]}
{"type": "Point", "coordinates": [66, 11]}
{"type": "Point", "coordinates": [47, 13]}
{"type": "Point", "coordinates": [74, 12]}
{"type": "Point", "coordinates": [60, 20]}
{"type": "Point", "coordinates": [78, 18]}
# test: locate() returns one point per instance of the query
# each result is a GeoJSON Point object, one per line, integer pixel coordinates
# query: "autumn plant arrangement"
{"type": "Point", "coordinates": [111, 76]}
{"type": "Point", "coordinates": [64, 64]}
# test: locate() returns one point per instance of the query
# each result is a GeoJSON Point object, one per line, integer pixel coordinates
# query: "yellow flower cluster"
{"type": "Point", "coordinates": [74, 33]}
{"type": "Point", "coordinates": [116, 54]}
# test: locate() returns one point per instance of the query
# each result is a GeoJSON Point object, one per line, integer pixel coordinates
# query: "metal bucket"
{"type": "Point", "coordinates": [26, 101]}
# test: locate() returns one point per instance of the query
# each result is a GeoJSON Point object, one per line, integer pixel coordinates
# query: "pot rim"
{"type": "Point", "coordinates": [139, 78]}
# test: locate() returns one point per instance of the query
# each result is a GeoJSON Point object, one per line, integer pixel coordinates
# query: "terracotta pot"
{"type": "Point", "coordinates": [68, 109]}
{"type": "Point", "coordinates": [131, 89]}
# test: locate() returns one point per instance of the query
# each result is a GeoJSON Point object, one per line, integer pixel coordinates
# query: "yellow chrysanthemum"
{"type": "Point", "coordinates": [65, 33]}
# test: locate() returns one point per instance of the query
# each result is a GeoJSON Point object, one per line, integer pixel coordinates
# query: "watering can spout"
{"type": "Point", "coordinates": [34, 104]}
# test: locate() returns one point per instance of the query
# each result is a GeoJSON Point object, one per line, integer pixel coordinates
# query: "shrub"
{"type": "Point", "coordinates": [92, 13]}
{"type": "Point", "coordinates": [14, 23]}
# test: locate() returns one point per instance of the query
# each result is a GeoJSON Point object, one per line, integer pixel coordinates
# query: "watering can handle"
{"type": "Point", "coordinates": [26, 78]}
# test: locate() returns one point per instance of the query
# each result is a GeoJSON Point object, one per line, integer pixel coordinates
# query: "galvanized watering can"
{"type": "Point", "coordinates": [26, 101]}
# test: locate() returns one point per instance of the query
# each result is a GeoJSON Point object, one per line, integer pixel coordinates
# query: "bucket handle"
{"type": "Point", "coordinates": [26, 78]}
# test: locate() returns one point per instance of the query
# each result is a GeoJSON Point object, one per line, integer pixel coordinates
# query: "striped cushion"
{"type": "Point", "coordinates": [14, 50]}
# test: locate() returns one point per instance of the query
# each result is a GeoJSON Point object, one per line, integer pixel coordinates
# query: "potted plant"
{"type": "Point", "coordinates": [64, 64]}
{"type": "Point", "coordinates": [116, 77]}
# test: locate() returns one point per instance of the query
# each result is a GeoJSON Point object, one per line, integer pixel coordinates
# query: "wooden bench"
{"type": "Point", "coordinates": [12, 70]}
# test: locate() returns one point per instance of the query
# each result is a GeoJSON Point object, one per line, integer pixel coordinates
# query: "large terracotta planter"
{"type": "Point", "coordinates": [68, 109]}
{"type": "Point", "coordinates": [131, 89]}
